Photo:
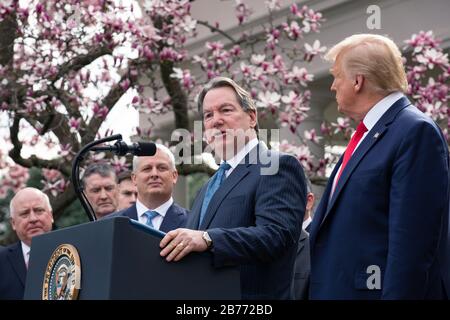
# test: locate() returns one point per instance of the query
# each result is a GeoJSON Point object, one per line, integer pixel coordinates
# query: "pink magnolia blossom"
{"type": "Point", "coordinates": [273, 4]}
{"type": "Point", "coordinates": [14, 179]}
{"type": "Point", "coordinates": [99, 111]}
{"type": "Point", "coordinates": [341, 125]}
{"type": "Point", "coordinates": [120, 164]}
{"type": "Point", "coordinates": [311, 135]}
{"type": "Point", "coordinates": [184, 76]}
{"type": "Point", "coordinates": [74, 124]}
{"type": "Point", "coordinates": [242, 11]}
{"type": "Point", "coordinates": [312, 51]}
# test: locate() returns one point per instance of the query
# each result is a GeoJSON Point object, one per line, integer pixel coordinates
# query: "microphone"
{"type": "Point", "coordinates": [120, 148]}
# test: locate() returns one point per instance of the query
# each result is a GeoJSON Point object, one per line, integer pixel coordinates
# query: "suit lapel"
{"type": "Point", "coordinates": [374, 136]}
{"type": "Point", "coordinates": [323, 205]}
{"type": "Point", "coordinates": [302, 241]}
{"type": "Point", "coordinates": [170, 220]}
{"type": "Point", "coordinates": [15, 257]}
{"type": "Point", "coordinates": [237, 175]}
{"type": "Point", "coordinates": [241, 170]}
{"type": "Point", "coordinates": [132, 212]}
{"type": "Point", "coordinates": [194, 216]}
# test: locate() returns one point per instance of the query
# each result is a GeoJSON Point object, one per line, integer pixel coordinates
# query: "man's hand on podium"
{"type": "Point", "coordinates": [180, 242]}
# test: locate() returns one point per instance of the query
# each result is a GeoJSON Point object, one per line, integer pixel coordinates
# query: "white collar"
{"type": "Point", "coordinates": [162, 209]}
{"type": "Point", "coordinates": [25, 248]}
{"type": "Point", "coordinates": [377, 111]}
{"type": "Point", "coordinates": [233, 162]}
{"type": "Point", "coordinates": [306, 223]}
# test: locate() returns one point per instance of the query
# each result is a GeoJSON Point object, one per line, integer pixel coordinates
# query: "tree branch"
{"type": "Point", "coordinates": [177, 95]}
{"type": "Point", "coordinates": [62, 201]}
{"type": "Point", "coordinates": [109, 101]}
{"type": "Point", "coordinates": [185, 170]}
{"type": "Point", "coordinates": [67, 101]}
{"type": "Point", "coordinates": [32, 161]}
{"type": "Point", "coordinates": [81, 61]}
{"type": "Point", "coordinates": [8, 32]}
{"type": "Point", "coordinates": [215, 29]}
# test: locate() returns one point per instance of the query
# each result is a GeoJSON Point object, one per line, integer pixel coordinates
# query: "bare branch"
{"type": "Point", "coordinates": [32, 161]}
{"type": "Point", "coordinates": [81, 61]}
{"type": "Point", "coordinates": [215, 29]}
{"type": "Point", "coordinates": [62, 201]}
{"type": "Point", "coordinates": [116, 92]}
{"type": "Point", "coordinates": [177, 95]}
{"type": "Point", "coordinates": [195, 168]}
{"type": "Point", "coordinates": [68, 102]}
{"type": "Point", "coordinates": [8, 32]}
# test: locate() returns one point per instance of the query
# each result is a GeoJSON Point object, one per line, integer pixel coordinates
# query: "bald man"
{"type": "Point", "coordinates": [30, 215]}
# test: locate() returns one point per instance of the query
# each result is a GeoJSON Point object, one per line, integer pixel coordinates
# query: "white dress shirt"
{"type": "Point", "coordinates": [233, 162]}
{"type": "Point", "coordinates": [372, 118]}
{"type": "Point", "coordinates": [26, 253]}
{"type": "Point", "coordinates": [156, 221]}
{"type": "Point", "coordinates": [306, 223]}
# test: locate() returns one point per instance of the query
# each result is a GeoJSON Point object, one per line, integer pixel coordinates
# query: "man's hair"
{"type": "Point", "coordinates": [123, 176]}
{"type": "Point", "coordinates": [42, 194]}
{"type": "Point", "coordinates": [164, 149]}
{"type": "Point", "coordinates": [102, 169]}
{"type": "Point", "coordinates": [375, 57]}
{"type": "Point", "coordinates": [242, 96]}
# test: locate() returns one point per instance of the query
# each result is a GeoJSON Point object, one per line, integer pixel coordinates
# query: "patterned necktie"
{"type": "Point", "coordinates": [360, 130]}
{"type": "Point", "coordinates": [150, 214]}
{"type": "Point", "coordinates": [213, 185]}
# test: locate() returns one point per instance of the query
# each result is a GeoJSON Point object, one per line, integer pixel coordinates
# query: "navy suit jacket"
{"type": "Point", "coordinates": [12, 272]}
{"type": "Point", "coordinates": [389, 211]}
{"type": "Point", "coordinates": [302, 268]}
{"type": "Point", "coordinates": [254, 221]}
{"type": "Point", "coordinates": [175, 217]}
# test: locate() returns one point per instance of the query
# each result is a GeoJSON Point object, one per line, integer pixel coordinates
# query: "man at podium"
{"type": "Point", "coordinates": [250, 212]}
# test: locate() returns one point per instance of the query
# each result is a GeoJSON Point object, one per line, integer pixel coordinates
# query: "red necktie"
{"type": "Point", "coordinates": [360, 130]}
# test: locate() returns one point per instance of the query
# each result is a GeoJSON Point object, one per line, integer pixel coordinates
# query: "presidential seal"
{"type": "Point", "coordinates": [63, 274]}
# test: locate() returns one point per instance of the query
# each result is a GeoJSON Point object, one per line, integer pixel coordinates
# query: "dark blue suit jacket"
{"type": "Point", "coordinates": [12, 272]}
{"type": "Point", "coordinates": [302, 269]}
{"type": "Point", "coordinates": [175, 217]}
{"type": "Point", "coordinates": [254, 221]}
{"type": "Point", "coordinates": [389, 210]}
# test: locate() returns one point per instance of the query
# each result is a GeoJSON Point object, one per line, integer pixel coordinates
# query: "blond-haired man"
{"type": "Point", "coordinates": [380, 230]}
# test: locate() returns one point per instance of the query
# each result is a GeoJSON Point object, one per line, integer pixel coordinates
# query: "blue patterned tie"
{"type": "Point", "coordinates": [150, 214]}
{"type": "Point", "coordinates": [213, 185]}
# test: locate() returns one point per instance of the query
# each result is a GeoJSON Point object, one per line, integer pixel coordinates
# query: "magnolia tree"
{"type": "Point", "coordinates": [64, 65]}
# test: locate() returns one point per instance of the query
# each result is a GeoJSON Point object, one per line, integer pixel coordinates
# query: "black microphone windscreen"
{"type": "Point", "coordinates": [146, 149]}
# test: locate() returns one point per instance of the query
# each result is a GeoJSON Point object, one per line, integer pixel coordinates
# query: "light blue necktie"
{"type": "Point", "coordinates": [213, 185]}
{"type": "Point", "coordinates": [150, 214]}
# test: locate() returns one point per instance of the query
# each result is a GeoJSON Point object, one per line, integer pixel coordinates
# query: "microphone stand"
{"type": "Point", "coordinates": [76, 173]}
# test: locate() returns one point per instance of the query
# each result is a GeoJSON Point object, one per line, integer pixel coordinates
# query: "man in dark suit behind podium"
{"type": "Point", "coordinates": [251, 211]}
{"type": "Point", "coordinates": [155, 178]}
{"type": "Point", "coordinates": [30, 215]}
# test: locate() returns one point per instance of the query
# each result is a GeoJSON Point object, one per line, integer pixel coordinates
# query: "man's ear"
{"type": "Point", "coordinates": [359, 82]}
{"type": "Point", "coordinates": [13, 223]}
{"type": "Point", "coordinates": [253, 119]}
{"type": "Point", "coordinates": [175, 176]}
